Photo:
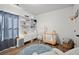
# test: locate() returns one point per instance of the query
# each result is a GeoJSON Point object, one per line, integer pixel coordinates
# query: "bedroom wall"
{"type": "Point", "coordinates": [57, 20]}
{"type": "Point", "coordinates": [76, 25]}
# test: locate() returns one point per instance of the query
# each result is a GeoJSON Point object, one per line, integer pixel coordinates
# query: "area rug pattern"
{"type": "Point", "coordinates": [35, 48]}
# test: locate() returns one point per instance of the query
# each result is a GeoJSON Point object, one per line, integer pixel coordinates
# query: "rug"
{"type": "Point", "coordinates": [35, 48]}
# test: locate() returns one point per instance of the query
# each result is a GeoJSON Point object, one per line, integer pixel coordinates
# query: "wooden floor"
{"type": "Point", "coordinates": [14, 51]}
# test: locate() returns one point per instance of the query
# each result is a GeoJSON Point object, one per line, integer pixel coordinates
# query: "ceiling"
{"type": "Point", "coordinates": [37, 9]}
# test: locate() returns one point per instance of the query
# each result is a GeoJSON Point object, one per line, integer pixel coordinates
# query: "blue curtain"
{"type": "Point", "coordinates": [0, 26]}
{"type": "Point", "coordinates": [9, 29]}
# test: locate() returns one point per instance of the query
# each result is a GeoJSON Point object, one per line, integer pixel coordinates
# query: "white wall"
{"type": "Point", "coordinates": [76, 25]}
{"type": "Point", "coordinates": [57, 20]}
